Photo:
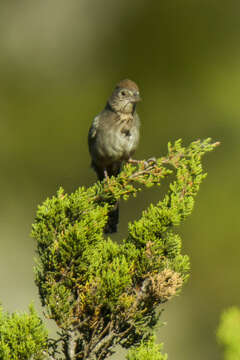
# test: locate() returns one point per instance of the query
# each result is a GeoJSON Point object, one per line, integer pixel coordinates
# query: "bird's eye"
{"type": "Point", "coordinates": [123, 93]}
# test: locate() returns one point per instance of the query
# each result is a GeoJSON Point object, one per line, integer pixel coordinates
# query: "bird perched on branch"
{"type": "Point", "coordinates": [114, 135]}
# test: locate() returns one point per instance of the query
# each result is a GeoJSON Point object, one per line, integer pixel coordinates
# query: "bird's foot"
{"type": "Point", "coordinates": [152, 160]}
{"type": "Point", "coordinates": [146, 163]}
{"type": "Point", "coordinates": [134, 161]}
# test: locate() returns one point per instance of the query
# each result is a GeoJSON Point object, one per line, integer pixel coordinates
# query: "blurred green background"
{"type": "Point", "coordinates": [59, 61]}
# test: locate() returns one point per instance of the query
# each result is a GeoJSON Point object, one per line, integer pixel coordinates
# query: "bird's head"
{"type": "Point", "coordinates": [124, 97]}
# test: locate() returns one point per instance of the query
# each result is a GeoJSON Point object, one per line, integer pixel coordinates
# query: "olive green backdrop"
{"type": "Point", "coordinates": [59, 60]}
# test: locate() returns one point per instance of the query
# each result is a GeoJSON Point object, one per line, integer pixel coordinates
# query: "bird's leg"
{"type": "Point", "coordinates": [106, 177]}
{"type": "Point", "coordinates": [105, 174]}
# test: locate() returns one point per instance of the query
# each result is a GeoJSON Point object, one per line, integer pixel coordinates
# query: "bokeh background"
{"type": "Point", "coordinates": [59, 61]}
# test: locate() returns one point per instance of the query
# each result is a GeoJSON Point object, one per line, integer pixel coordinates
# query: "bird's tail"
{"type": "Point", "coordinates": [113, 219]}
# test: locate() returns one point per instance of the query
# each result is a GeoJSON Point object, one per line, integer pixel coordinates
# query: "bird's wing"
{"type": "Point", "coordinates": [94, 127]}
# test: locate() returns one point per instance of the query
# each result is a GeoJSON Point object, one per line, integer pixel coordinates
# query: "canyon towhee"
{"type": "Point", "coordinates": [113, 136]}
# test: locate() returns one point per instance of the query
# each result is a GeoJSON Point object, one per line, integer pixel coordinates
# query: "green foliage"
{"type": "Point", "coordinates": [103, 292]}
{"type": "Point", "coordinates": [22, 336]}
{"type": "Point", "coordinates": [147, 350]}
{"type": "Point", "coordinates": [228, 333]}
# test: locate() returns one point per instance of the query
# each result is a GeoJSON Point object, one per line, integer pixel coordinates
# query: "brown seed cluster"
{"type": "Point", "coordinates": [165, 284]}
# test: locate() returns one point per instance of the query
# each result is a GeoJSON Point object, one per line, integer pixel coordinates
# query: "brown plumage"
{"type": "Point", "coordinates": [113, 136]}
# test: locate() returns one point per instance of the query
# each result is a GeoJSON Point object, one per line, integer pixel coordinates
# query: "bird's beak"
{"type": "Point", "coordinates": [136, 97]}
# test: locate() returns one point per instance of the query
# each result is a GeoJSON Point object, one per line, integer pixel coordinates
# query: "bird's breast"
{"type": "Point", "coordinates": [118, 141]}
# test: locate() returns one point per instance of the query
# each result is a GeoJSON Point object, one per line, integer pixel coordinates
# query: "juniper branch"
{"type": "Point", "coordinates": [109, 293]}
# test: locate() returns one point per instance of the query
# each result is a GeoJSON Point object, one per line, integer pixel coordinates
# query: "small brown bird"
{"type": "Point", "coordinates": [114, 135]}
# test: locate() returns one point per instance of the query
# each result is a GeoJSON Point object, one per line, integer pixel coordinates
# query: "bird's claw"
{"type": "Point", "coordinates": [134, 161]}
{"type": "Point", "coordinates": [152, 160]}
{"type": "Point", "coordinates": [146, 163]}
